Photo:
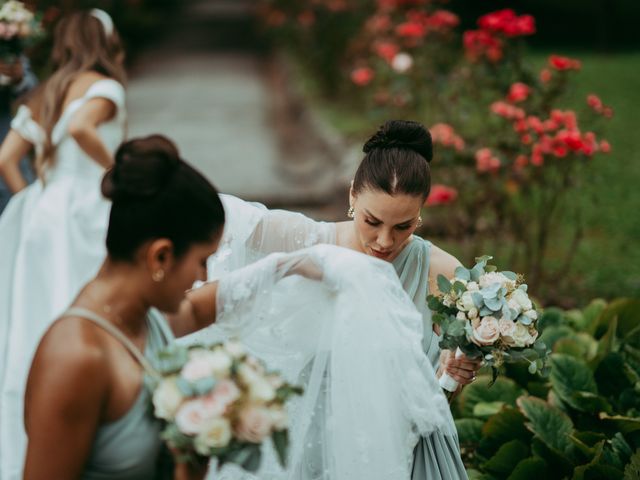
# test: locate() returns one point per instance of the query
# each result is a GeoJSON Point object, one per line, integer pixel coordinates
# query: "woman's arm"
{"type": "Point", "coordinates": [83, 127]}
{"type": "Point", "coordinates": [66, 392]}
{"type": "Point", "coordinates": [197, 310]}
{"type": "Point", "coordinates": [462, 370]}
{"type": "Point", "coordinates": [13, 149]}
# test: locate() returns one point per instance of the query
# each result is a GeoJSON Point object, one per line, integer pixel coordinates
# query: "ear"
{"type": "Point", "coordinates": [160, 255]}
{"type": "Point", "coordinates": [352, 195]}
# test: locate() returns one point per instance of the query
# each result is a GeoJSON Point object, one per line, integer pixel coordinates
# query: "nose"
{"type": "Point", "coordinates": [385, 240]}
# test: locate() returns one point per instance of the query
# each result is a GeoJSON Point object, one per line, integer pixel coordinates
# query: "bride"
{"type": "Point", "coordinates": [388, 191]}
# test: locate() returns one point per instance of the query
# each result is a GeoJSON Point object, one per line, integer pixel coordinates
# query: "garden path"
{"type": "Point", "coordinates": [208, 86]}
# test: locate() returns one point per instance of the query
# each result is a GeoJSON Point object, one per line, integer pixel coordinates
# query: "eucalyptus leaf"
{"type": "Point", "coordinates": [444, 285]}
{"type": "Point", "coordinates": [510, 275]}
{"type": "Point", "coordinates": [459, 288]}
{"type": "Point", "coordinates": [281, 443]}
{"type": "Point", "coordinates": [462, 273]}
{"type": "Point", "coordinates": [478, 299]}
{"type": "Point", "coordinates": [494, 304]}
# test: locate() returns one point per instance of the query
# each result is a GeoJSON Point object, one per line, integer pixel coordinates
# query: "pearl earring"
{"type": "Point", "coordinates": [419, 222]}
{"type": "Point", "coordinates": [351, 213]}
{"type": "Point", "coordinates": [158, 276]}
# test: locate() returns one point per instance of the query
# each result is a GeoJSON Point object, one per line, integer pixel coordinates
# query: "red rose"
{"type": "Point", "coordinates": [411, 30]}
{"type": "Point", "coordinates": [518, 92]}
{"type": "Point", "coordinates": [441, 194]}
{"type": "Point", "coordinates": [604, 146]}
{"type": "Point", "coordinates": [362, 76]}
{"type": "Point", "coordinates": [564, 63]}
{"type": "Point", "coordinates": [386, 50]}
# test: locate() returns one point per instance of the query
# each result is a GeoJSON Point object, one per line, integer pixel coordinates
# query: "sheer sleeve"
{"type": "Point", "coordinates": [252, 231]}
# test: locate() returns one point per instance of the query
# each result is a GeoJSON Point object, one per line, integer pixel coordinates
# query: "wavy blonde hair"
{"type": "Point", "coordinates": [80, 45]}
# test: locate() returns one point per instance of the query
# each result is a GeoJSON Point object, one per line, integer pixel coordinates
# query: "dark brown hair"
{"type": "Point", "coordinates": [397, 160]}
{"type": "Point", "coordinates": [156, 194]}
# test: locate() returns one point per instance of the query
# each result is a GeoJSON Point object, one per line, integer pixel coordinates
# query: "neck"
{"type": "Point", "coordinates": [115, 293]}
{"type": "Point", "coordinates": [346, 236]}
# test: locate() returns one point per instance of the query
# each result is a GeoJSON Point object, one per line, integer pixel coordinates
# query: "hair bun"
{"type": "Point", "coordinates": [143, 167]}
{"type": "Point", "coordinates": [402, 134]}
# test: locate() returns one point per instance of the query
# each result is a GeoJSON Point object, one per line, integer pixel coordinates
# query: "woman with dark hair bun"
{"type": "Point", "coordinates": [387, 194]}
{"type": "Point", "coordinates": [86, 412]}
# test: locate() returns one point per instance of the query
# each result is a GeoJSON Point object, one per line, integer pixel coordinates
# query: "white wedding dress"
{"type": "Point", "coordinates": [353, 340]}
{"type": "Point", "coordinates": [52, 241]}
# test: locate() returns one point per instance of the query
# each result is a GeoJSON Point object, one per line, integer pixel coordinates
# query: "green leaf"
{"type": "Point", "coordinates": [628, 312]}
{"type": "Point", "coordinates": [621, 423]}
{"type": "Point", "coordinates": [507, 457]}
{"type": "Point", "coordinates": [551, 317]}
{"type": "Point", "coordinates": [476, 475]}
{"type": "Point", "coordinates": [469, 430]}
{"type": "Point", "coordinates": [597, 468]}
{"type": "Point", "coordinates": [510, 275]}
{"type": "Point", "coordinates": [486, 409]}
{"type": "Point", "coordinates": [590, 402]}
{"type": "Point", "coordinates": [504, 426]}
{"type": "Point", "coordinates": [591, 315]}
{"type": "Point", "coordinates": [529, 468]}
{"type": "Point", "coordinates": [552, 334]}
{"type": "Point", "coordinates": [456, 328]}
{"type": "Point", "coordinates": [462, 273]}
{"type": "Point", "coordinates": [632, 470]}
{"type": "Point", "coordinates": [444, 285]}
{"type": "Point", "coordinates": [281, 443]}
{"type": "Point", "coordinates": [548, 423]}
{"type": "Point", "coordinates": [434, 302]}
{"type": "Point", "coordinates": [503, 390]}
{"type": "Point", "coordinates": [570, 375]}
{"type": "Point", "coordinates": [459, 288]}
{"type": "Point", "coordinates": [247, 457]}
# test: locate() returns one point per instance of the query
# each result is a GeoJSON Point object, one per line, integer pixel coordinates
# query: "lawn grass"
{"type": "Point", "coordinates": [607, 262]}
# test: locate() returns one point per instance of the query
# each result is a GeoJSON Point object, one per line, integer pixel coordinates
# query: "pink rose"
{"type": "Point", "coordinates": [226, 392]}
{"type": "Point", "coordinates": [487, 332]}
{"type": "Point", "coordinates": [254, 424]}
{"type": "Point", "coordinates": [192, 417]}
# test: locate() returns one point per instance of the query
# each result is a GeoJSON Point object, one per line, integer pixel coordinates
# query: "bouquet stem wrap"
{"type": "Point", "coordinates": [448, 383]}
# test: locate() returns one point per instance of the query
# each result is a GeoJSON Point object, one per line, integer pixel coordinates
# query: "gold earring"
{"type": "Point", "coordinates": [158, 276]}
{"type": "Point", "coordinates": [419, 222]}
{"type": "Point", "coordinates": [351, 213]}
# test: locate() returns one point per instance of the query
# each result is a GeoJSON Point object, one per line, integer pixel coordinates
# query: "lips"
{"type": "Point", "coordinates": [378, 254]}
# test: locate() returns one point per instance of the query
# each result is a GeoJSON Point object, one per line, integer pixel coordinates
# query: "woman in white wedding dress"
{"type": "Point", "coordinates": [52, 232]}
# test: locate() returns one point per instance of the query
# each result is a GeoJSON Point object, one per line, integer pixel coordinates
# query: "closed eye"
{"type": "Point", "coordinates": [372, 223]}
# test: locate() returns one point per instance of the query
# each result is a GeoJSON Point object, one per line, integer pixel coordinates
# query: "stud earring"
{"type": "Point", "coordinates": [419, 222]}
{"type": "Point", "coordinates": [351, 213]}
{"type": "Point", "coordinates": [158, 276]}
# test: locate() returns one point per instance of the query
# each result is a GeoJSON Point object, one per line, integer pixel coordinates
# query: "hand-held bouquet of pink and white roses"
{"type": "Point", "coordinates": [17, 24]}
{"type": "Point", "coordinates": [487, 314]}
{"type": "Point", "coordinates": [220, 402]}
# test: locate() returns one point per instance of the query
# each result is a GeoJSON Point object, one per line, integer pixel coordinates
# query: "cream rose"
{"type": "Point", "coordinates": [487, 332]}
{"type": "Point", "coordinates": [532, 314]}
{"type": "Point", "coordinates": [472, 287]}
{"type": "Point", "coordinates": [254, 424]}
{"type": "Point", "coordinates": [234, 348]}
{"type": "Point", "coordinates": [167, 398]}
{"type": "Point", "coordinates": [196, 369]}
{"type": "Point", "coordinates": [215, 434]}
{"type": "Point", "coordinates": [261, 391]}
{"type": "Point", "coordinates": [521, 335]}
{"type": "Point", "coordinates": [507, 328]}
{"type": "Point", "coordinates": [491, 278]}
{"type": "Point", "coordinates": [226, 392]}
{"type": "Point", "coordinates": [466, 302]}
{"type": "Point", "coordinates": [473, 313]}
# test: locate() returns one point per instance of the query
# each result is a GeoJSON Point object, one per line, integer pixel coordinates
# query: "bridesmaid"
{"type": "Point", "coordinates": [86, 411]}
{"type": "Point", "coordinates": [388, 191]}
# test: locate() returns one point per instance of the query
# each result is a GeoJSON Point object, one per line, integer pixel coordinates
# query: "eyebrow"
{"type": "Point", "coordinates": [378, 220]}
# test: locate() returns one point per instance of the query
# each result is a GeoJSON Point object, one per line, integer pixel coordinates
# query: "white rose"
{"type": "Point", "coordinates": [196, 369]}
{"type": "Point", "coordinates": [215, 434]}
{"type": "Point", "coordinates": [467, 301]}
{"type": "Point", "coordinates": [532, 314]}
{"type": "Point", "coordinates": [514, 305]}
{"type": "Point", "coordinates": [191, 417]}
{"type": "Point", "coordinates": [167, 398]}
{"type": "Point", "coordinates": [220, 362]}
{"type": "Point", "coordinates": [461, 316]}
{"type": "Point", "coordinates": [247, 375]}
{"type": "Point", "coordinates": [495, 277]}
{"type": "Point", "coordinates": [472, 287]}
{"type": "Point", "coordinates": [234, 348]}
{"type": "Point", "coordinates": [279, 418]}
{"type": "Point", "coordinates": [473, 313]}
{"type": "Point", "coordinates": [261, 391]}
{"type": "Point", "coordinates": [254, 424]}
{"type": "Point", "coordinates": [402, 62]}
{"type": "Point", "coordinates": [522, 299]}
{"type": "Point", "coordinates": [275, 381]}
{"type": "Point", "coordinates": [487, 332]}
{"type": "Point", "coordinates": [521, 336]}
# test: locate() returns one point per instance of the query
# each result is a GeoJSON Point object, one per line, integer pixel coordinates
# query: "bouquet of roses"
{"type": "Point", "coordinates": [487, 314]}
{"type": "Point", "coordinates": [17, 25]}
{"type": "Point", "coordinates": [219, 402]}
